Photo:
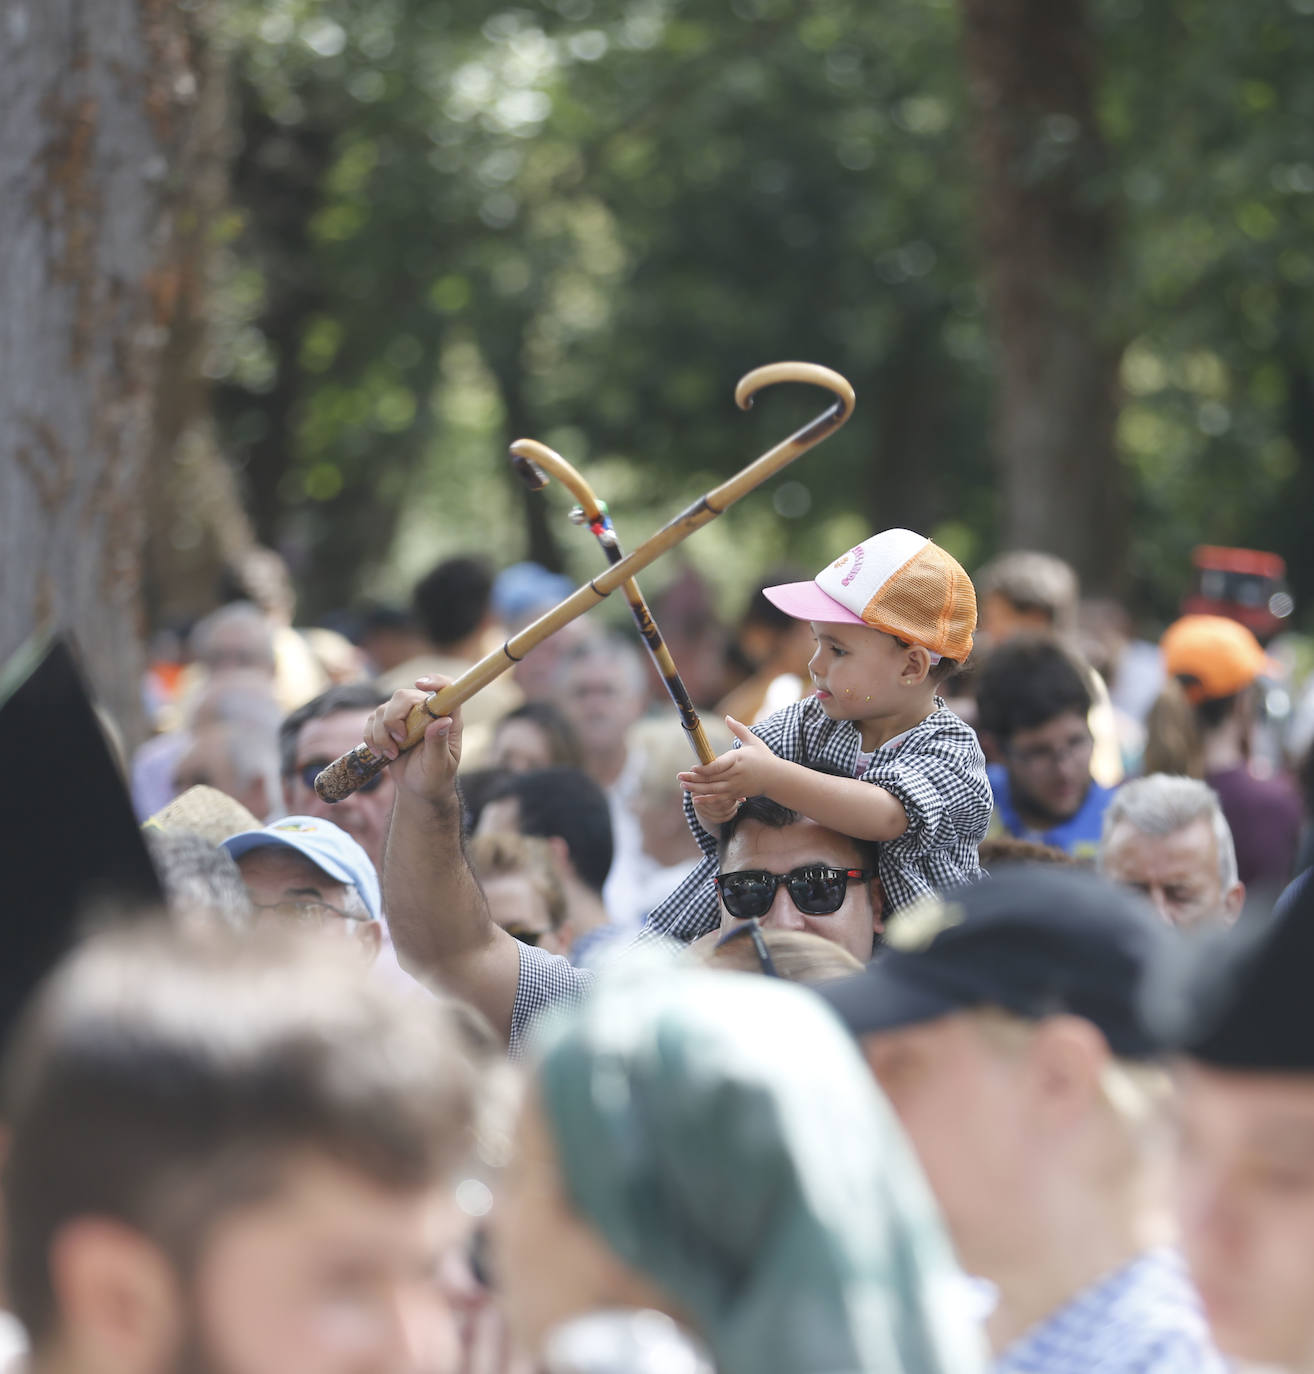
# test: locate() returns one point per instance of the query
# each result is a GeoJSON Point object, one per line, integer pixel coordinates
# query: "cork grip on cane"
{"type": "Point", "coordinates": [342, 777]}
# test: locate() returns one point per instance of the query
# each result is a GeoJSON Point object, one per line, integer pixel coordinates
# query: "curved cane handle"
{"type": "Point", "coordinates": [773, 373]}
{"type": "Point", "coordinates": [534, 463]}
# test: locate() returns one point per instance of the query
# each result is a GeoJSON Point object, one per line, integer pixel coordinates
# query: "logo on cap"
{"type": "Point", "coordinates": [916, 927]}
{"type": "Point", "coordinates": [858, 555]}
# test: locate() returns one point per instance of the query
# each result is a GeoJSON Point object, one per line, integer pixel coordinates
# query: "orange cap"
{"type": "Point", "coordinates": [1220, 654]}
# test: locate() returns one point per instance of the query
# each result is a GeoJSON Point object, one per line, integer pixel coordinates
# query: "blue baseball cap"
{"type": "Point", "coordinates": [527, 589]}
{"type": "Point", "coordinates": [326, 845]}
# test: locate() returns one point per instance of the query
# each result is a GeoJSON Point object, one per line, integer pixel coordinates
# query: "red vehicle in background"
{"type": "Point", "coordinates": [1244, 584]}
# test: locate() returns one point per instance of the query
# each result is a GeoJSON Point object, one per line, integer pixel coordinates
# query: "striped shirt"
{"type": "Point", "coordinates": [1144, 1318]}
{"type": "Point", "coordinates": [936, 770]}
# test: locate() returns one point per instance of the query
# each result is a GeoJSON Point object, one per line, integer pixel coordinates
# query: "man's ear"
{"type": "Point", "coordinates": [1067, 1057]}
{"type": "Point", "coordinates": [877, 893]}
{"type": "Point", "coordinates": [116, 1295]}
{"type": "Point", "coordinates": [561, 851]}
{"type": "Point", "coordinates": [1233, 900]}
{"type": "Point", "coordinates": [370, 935]}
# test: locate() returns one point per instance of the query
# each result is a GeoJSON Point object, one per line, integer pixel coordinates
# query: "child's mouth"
{"type": "Point", "coordinates": [821, 694]}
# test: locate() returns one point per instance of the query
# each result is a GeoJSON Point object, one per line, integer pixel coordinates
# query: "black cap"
{"type": "Point", "coordinates": [69, 840]}
{"type": "Point", "coordinates": [1036, 941]}
{"type": "Point", "coordinates": [1241, 999]}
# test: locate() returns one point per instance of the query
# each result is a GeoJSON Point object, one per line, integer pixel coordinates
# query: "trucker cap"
{"type": "Point", "coordinates": [896, 581]}
{"type": "Point", "coordinates": [1036, 941]}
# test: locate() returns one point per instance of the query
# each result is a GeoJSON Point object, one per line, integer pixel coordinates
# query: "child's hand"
{"type": "Point", "coordinates": [737, 773]}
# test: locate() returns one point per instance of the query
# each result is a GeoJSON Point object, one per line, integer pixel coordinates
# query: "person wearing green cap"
{"type": "Point", "coordinates": [711, 1146]}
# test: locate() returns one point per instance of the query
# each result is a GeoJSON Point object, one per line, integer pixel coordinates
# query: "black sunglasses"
{"type": "Point", "coordinates": [754, 932]}
{"type": "Point", "coordinates": [308, 772]}
{"type": "Point", "coordinates": [815, 890]}
{"type": "Point", "coordinates": [525, 935]}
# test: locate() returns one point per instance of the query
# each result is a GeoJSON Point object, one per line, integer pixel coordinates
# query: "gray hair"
{"type": "Point", "coordinates": [1033, 581]}
{"type": "Point", "coordinates": [198, 879]}
{"type": "Point", "coordinates": [608, 648]}
{"type": "Point", "coordinates": [249, 623]}
{"type": "Point", "coordinates": [1162, 804]}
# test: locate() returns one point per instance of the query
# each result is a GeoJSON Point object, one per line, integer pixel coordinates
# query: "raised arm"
{"type": "Point", "coordinates": [436, 910]}
{"type": "Point", "coordinates": [847, 805]}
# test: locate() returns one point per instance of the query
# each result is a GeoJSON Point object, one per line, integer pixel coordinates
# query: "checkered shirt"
{"type": "Point", "coordinates": [1144, 1318]}
{"type": "Point", "coordinates": [936, 770]}
{"type": "Point", "coordinates": [546, 980]}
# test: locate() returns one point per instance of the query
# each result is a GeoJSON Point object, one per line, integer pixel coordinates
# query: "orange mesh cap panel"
{"type": "Point", "coordinates": [930, 601]}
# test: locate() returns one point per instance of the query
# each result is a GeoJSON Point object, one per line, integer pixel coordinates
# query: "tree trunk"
{"type": "Point", "coordinates": [195, 523]}
{"type": "Point", "coordinates": [97, 100]}
{"type": "Point", "coordinates": [1048, 241]}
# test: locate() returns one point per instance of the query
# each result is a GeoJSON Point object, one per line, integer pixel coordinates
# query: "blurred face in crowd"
{"type": "Point", "coordinates": [286, 887]}
{"type": "Point", "coordinates": [332, 1274]}
{"type": "Point", "coordinates": [548, 1263]}
{"type": "Point", "coordinates": [1001, 620]}
{"type": "Point", "coordinates": [363, 815]}
{"type": "Point", "coordinates": [1246, 1206]}
{"type": "Point", "coordinates": [601, 696]}
{"type": "Point", "coordinates": [520, 745]}
{"type": "Point", "coordinates": [1049, 768]}
{"type": "Point", "coordinates": [962, 1101]}
{"type": "Point", "coordinates": [517, 905]}
{"type": "Point", "coordinates": [805, 844]}
{"type": "Point", "coordinates": [209, 763]}
{"type": "Point", "coordinates": [1179, 873]}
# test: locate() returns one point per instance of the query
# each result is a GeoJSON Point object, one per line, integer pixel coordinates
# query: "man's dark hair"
{"type": "Point", "coordinates": [1027, 682]}
{"type": "Point", "coordinates": [776, 817]}
{"type": "Point", "coordinates": [565, 802]}
{"type": "Point", "coordinates": [348, 696]}
{"type": "Point", "coordinates": [452, 599]}
{"type": "Point", "coordinates": [164, 1078]}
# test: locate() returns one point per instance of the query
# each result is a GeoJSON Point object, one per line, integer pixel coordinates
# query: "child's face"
{"type": "Point", "coordinates": [859, 673]}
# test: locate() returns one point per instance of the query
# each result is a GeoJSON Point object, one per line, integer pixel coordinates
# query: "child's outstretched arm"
{"type": "Point", "coordinates": [848, 805]}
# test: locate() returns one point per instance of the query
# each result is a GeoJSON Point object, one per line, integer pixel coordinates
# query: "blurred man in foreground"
{"type": "Point", "coordinates": [1246, 1156]}
{"type": "Point", "coordinates": [233, 1157]}
{"type": "Point", "coordinates": [1005, 1028]}
{"type": "Point", "coordinates": [1167, 837]}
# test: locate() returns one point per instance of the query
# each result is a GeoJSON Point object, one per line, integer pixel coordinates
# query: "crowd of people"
{"type": "Point", "coordinates": [494, 1066]}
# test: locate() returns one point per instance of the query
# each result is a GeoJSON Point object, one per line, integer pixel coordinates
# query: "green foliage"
{"type": "Point", "coordinates": [583, 222]}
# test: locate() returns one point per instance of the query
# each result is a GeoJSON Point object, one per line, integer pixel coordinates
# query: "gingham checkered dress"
{"type": "Point", "coordinates": [936, 769]}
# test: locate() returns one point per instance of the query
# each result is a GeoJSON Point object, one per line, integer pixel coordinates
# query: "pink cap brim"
{"type": "Point", "coordinates": [806, 601]}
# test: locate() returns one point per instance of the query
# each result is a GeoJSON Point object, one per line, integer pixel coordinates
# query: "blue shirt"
{"type": "Point", "coordinates": [1144, 1318]}
{"type": "Point", "coordinates": [1079, 835]}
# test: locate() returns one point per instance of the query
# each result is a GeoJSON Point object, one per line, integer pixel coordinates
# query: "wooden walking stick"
{"type": "Point", "coordinates": [342, 777]}
{"type": "Point", "coordinates": [534, 463]}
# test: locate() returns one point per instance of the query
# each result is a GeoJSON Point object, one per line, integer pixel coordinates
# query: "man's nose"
{"type": "Point", "coordinates": [1159, 900]}
{"type": "Point", "coordinates": [422, 1336]}
{"type": "Point", "coordinates": [782, 914]}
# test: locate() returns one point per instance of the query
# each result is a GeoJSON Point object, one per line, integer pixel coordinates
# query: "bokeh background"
{"type": "Point", "coordinates": [295, 272]}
